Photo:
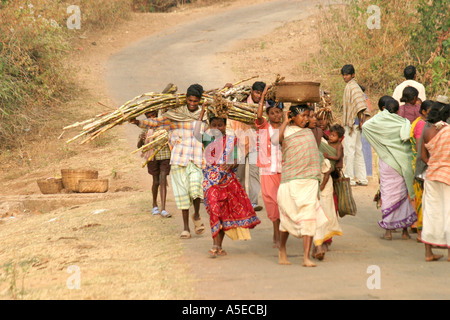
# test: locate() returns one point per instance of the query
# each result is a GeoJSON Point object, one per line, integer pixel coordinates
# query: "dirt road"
{"type": "Point", "coordinates": [120, 250]}
{"type": "Point", "coordinates": [358, 261]}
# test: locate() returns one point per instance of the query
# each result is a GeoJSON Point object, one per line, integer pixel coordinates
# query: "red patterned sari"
{"type": "Point", "coordinates": [225, 199]}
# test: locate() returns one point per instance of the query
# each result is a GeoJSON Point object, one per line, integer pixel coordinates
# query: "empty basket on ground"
{"type": "Point", "coordinates": [298, 92]}
{"type": "Point", "coordinates": [71, 177]}
{"type": "Point", "coordinates": [93, 185]}
{"type": "Point", "coordinates": [50, 185]}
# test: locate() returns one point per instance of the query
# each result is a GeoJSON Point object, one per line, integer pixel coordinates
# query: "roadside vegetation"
{"type": "Point", "coordinates": [409, 32]}
{"type": "Point", "coordinates": [37, 85]}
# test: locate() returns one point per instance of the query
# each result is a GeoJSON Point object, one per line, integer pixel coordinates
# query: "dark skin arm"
{"type": "Point", "coordinates": [259, 114]}
{"type": "Point", "coordinates": [283, 126]}
{"type": "Point", "coordinates": [198, 123]}
{"type": "Point", "coordinates": [361, 118]}
{"type": "Point", "coordinates": [325, 179]}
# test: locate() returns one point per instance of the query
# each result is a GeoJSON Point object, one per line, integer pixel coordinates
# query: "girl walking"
{"type": "Point", "coordinates": [269, 160]}
{"type": "Point", "coordinates": [230, 210]}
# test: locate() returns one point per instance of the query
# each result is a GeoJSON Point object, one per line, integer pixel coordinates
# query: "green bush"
{"type": "Point", "coordinates": [430, 43]}
{"type": "Point", "coordinates": [409, 31]}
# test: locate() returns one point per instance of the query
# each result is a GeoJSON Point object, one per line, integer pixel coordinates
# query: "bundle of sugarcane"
{"type": "Point", "coordinates": [158, 140]}
{"type": "Point", "coordinates": [272, 92]}
{"type": "Point", "coordinates": [150, 102]}
{"type": "Point", "coordinates": [238, 111]}
{"type": "Point", "coordinates": [147, 102]}
{"type": "Point", "coordinates": [237, 93]}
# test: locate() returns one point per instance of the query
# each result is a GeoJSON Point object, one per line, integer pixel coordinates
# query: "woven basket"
{"type": "Point", "coordinates": [93, 185]}
{"type": "Point", "coordinates": [298, 92]}
{"type": "Point", "coordinates": [71, 177]}
{"type": "Point", "coordinates": [50, 185]}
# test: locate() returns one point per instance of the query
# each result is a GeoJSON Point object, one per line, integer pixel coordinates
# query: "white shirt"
{"type": "Point", "coordinates": [398, 92]}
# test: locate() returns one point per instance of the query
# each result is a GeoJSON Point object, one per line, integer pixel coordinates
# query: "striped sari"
{"type": "Point", "coordinates": [300, 210]}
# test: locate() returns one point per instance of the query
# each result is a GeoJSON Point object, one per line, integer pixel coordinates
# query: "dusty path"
{"type": "Point", "coordinates": [186, 54]}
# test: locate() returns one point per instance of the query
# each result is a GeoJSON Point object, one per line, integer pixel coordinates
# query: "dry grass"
{"type": "Point", "coordinates": [96, 238]}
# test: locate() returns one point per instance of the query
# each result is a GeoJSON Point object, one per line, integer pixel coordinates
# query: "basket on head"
{"type": "Point", "coordinates": [298, 92]}
{"type": "Point", "coordinates": [50, 185]}
{"type": "Point", "coordinates": [71, 177]}
{"type": "Point", "coordinates": [93, 185]}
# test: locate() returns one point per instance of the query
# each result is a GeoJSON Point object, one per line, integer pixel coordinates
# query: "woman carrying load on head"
{"type": "Point", "coordinates": [300, 210]}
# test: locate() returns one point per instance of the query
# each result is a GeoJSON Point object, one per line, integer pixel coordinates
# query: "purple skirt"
{"type": "Point", "coordinates": [397, 210]}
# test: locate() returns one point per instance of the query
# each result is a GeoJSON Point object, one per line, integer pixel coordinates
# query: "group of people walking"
{"type": "Point", "coordinates": [410, 136]}
{"type": "Point", "coordinates": [293, 156]}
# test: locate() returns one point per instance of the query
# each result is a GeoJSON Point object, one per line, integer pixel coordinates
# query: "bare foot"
{"type": "Point", "coordinates": [320, 255]}
{"type": "Point", "coordinates": [434, 257]}
{"type": "Point", "coordinates": [387, 235]}
{"type": "Point", "coordinates": [319, 252]}
{"type": "Point", "coordinates": [282, 258]}
{"type": "Point", "coordinates": [384, 237]}
{"type": "Point", "coordinates": [308, 263]}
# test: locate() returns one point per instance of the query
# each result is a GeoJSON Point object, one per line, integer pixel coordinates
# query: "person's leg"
{"type": "Point", "coordinates": [282, 253]}
{"type": "Point", "coordinates": [435, 220]}
{"type": "Point", "coordinates": [165, 170]}
{"type": "Point", "coordinates": [163, 190]}
{"type": "Point", "coordinates": [307, 241]}
{"type": "Point", "coordinates": [429, 255]}
{"type": "Point", "coordinates": [181, 194]}
{"type": "Point", "coordinates": [276, 233]}
{"type": "Point", "coordinates": [240, 172]}
{"type": "Point", "coordinates": [220, 237]}
{"type": "Point", "coordinates": [359, 163]}
{"type": "Point", "coordinates": [196, 194]}
{"type": "Point", "coordinates": [254, 180]}
{"type": "Point", "coordinates": [155, 187]}
{"type": "Point", "coordinates": [349, 154]}
{"type": "Point", "coordinates": [163, 193]}
{"type": "Point", "coordinates": [387, 235]}
{"type": "Point", "coordinates": [405, 234]}
{"type": "Point", "coordinates": [319, 251]}
{"type": "Point", "coordinates": [197, 208]}
{"type": "Point", "coordinates": [185, 214]}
